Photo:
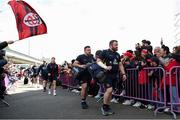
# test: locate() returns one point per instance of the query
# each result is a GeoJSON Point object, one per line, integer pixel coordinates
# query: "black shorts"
{"type": "Point", "coordinates": [52, 78]}
{"type": "Point", "coordinates": [34, 76]}
{"type": "Point", "coordinates": [44, 77]}
{"type": "Point", "coordinates": [111, 81]}
{"type": "Point", "coordinates": [84, 77]}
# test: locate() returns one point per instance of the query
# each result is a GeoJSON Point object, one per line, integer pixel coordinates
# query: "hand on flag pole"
{"type": "Point", "coordinates": [10, 42]}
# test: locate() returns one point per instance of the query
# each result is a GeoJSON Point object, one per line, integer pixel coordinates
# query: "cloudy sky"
{"type": "Point", "coordinates": [72, 24]}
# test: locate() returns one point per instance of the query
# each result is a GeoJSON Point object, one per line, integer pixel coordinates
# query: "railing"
{"type": "Point", "coordinates": [152, 85]}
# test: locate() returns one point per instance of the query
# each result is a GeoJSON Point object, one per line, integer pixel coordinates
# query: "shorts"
{"type": "Point", "coordinates": [44, 77]}
{"type": "Point", "coordinates": [52, 78]}
{"type": "Point", "coordinates": [33, 76]}
{"type": "Point", "coordinates": [111, 81]}
{"type": "Point", "coordinates": [84, 77]}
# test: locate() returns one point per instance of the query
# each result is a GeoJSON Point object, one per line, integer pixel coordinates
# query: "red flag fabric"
{"type": "Point", "coordinates": [28, 22]}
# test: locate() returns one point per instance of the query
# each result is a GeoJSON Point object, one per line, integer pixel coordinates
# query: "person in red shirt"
{"type": "Point", "coordinates": [174, 61]}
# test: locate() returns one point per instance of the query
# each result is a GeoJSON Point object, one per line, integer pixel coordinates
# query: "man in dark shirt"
{"type": "Point", "coordinates": [52, 69]}
{"type": "Point", "coordinates": [33, 75]}
{"type": "Point", "coordinates": [43, 73]}
{"type": "Point", "coordinates": [110, 61]}
{"type": "Point", "coordinates": [84, 78]}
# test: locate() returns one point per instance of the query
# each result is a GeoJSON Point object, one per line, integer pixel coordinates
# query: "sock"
{"type": "Point", "coordinates": [83, 100]}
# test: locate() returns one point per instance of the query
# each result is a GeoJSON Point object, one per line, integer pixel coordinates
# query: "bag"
{"type": "Point", "coordinates": [97, 72]}
{"type": "Point", "coordinates": [76, 71]}
{"type": "Point", "coordinates": [25, 80]}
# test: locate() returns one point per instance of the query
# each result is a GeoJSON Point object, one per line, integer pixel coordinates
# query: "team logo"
{"type": "Point", "coordinates": [32, 20]}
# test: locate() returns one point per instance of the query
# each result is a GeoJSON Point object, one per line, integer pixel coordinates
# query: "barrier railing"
{"type": "Point", "coordinates": [69, 81]}
{"type": "Point", "coordinates": [174, 77]}
{"type": "Point", "coordinates": [145, 86]}
{"type": "Point", "coordinates": [149, 86]}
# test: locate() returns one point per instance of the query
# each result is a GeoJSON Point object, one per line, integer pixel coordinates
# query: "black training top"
{"type": "Point", "coordinates": [52, 68]}
{"type": "Point", "coordinates": [111, 58]}
{"type": "Point", "coordinates": [43, 69]}
{"type": "Point", "coordinates": [84, 59]}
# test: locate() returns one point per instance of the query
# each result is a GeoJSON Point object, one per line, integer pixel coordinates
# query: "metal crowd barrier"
{"type": "Point", "coordinates": [68, 81]}
{"type": "Point", "coordinates": [148, 86]}
{"type": "Point", "coordinates": [174, 90]}
{"type": "Point", "coordinates": [142, 86]}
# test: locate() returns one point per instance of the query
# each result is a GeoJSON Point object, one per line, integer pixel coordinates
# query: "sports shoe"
{"type": "Point", "coordinates": [97, 96]}
{"type": "Point", "coordinates": [44, 90]}
{"type": "Point", "coordinates": [143, 106]}
{"type": "Point", "coordinates": [114, 100]}
{"type": "Point", "coordinates": [49, 92]}
{"type": "Point", "coordinates": [54, 92]}
{"type": "Point", "coordinates": [137, 104]}
{"type": "Point", "coordinates": [167, 110]}
{"type": "Point", "coordinates": [127, 102]}
{"type": "Point", "coordinates": [107, 112]}
{"type": "Point", "coordinates": [74, 90]}
{"type": "Point", "coordinates": [77, 91]}
{"type": "Point", "coordinates": [84, 105]}
{"type": "Point", "coordinates": [110, 112]}
{"type": "Point", "coordinates": [150, 107]}
{"type": "Point", "coordinates": [104, 112]}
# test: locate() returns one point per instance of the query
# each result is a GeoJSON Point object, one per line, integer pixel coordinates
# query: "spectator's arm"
{"type": "Point", "coordinates": [3, 45]}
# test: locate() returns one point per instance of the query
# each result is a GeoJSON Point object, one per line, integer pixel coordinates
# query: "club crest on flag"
{"type": "Point", "coordinates": [32, 20]}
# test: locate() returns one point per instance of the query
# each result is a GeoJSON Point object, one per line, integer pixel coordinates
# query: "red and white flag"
{"type": "Point", "coordinates": [28, 22]}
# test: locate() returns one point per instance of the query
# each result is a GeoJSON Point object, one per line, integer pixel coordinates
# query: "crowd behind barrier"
{"type": "Point", "coordinates": [141, 86]}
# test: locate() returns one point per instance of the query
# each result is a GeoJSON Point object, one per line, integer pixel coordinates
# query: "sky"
{"type": "Point", "coordinates": [73, 24]}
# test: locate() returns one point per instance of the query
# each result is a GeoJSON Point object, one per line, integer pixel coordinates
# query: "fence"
{"type": "Point", "coordinates": [174, 90]}
{"type": "Point", "coordinates": [151, 85]}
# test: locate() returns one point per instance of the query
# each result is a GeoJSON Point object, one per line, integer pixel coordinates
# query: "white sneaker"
{"type": "Point", "coordinates": [54, 92]}
{"type": "Point", "coordinates": [150, 107]}
{"type": "Point", "coordinates": [127, 102]}
{"type": "Point", "coordinates": [123, 93]}
{"type": "Point", "coordinates": [132, 101]}
{"type": "Point", "coordinates": [114, 100]}
{"type": "Point", "coordinates": [49, 92]}
{"type": "Point", "coordinates": [77, 91]}
{"type": "Point", "coordinates": [166, 109]}
{"type": "Point", "coordinates": [137, 104]}
{"type": "Point", "coordinates": [97, 96]}
{"type": "Point", "coordinates": [74, 90]}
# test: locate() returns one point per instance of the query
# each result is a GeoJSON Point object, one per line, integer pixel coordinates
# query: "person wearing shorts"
{"type": "Point", "coordinates": [43, 74]}
{"type": "Point", "coordinates": [110, 61]}
{"type": "Point", "coordinates": [52, 69]}
{"type": "Point", "coordinates": [84, 77]}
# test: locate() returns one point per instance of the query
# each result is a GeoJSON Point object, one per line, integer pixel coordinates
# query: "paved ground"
{"type": "Point", "coordinates": [30, 103]}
